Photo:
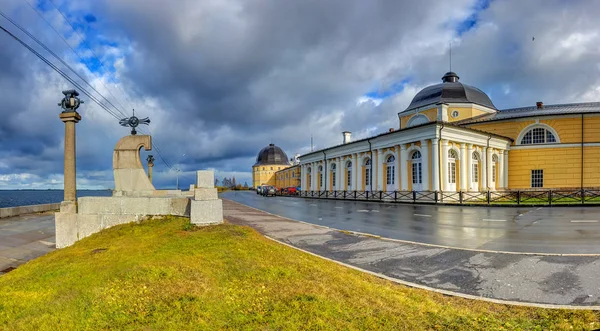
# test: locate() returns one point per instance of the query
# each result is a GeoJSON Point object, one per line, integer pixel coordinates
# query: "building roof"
{"type": "Point", "coordinates": [545, 110]}
{"type": "Point", "coordinates": [448, 124]}
{"type": "Point", "coordinates": [450, 91]}
{"type": "Point", "coordinates": [271, 155]}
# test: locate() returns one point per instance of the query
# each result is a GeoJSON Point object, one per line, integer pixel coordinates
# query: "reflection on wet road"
{"type": "Point", "coordinates": [564, 230]}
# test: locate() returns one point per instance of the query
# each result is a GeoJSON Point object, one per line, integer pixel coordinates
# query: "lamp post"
{"type": "Point", "coordinates": [150, 160]}
{"type": "Point", "coordinates": [70, 117]}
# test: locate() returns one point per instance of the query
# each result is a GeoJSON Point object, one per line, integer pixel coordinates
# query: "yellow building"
{"type": "Point", "coordinates": [452, 138]}
{"type": "Point", "coordinates": [268, 161]}
{"type": "Point", "coordinates": [289, 177]}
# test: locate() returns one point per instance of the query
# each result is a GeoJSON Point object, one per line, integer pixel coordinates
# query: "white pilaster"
{"type": "Point", "coordinates": [484, 169]}
{"type": "Point", "coordinates": [398, 165]}
{"type": "Point", "coordinates": [463, 167]}
{"type": "Point", "coordinates": [425, 164]}
{"type": "Point", "coordinates": [506, 169]}
{"type": "Point", "coordinates": [380, 160]}
{"type": "Point", "coordinates": [314, 177]}
{"type": "Point", "coordinates": [355, 172]}
{"type": "Point", "coordinates": [404, 171]}
{"type": "Point", "coordinates": [500, 169]}
{"type": "Point", "coordinates": [469, 166]}
{"type": "Point", "coordinates": [489, 168]}
{"type": "Point", "coordinates": [435, 165]}
{"type": "Point", "coordinates": [444, 165]}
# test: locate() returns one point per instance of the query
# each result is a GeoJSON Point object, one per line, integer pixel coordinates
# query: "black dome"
{"type": "Point", "coordinates": [271, 155]}
{"type": "Point", "coordinates": [448, 92]}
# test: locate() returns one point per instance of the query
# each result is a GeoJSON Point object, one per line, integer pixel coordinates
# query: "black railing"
{"type": "Point", "coordinates": [517, 197]}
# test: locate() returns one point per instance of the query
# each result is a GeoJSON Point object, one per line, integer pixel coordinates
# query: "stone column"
{"type": "Point", "coordinates": [435, 165]}
{"type": "Point", "coordinates": [339, 175]}
{"type": "Point", "coordinates": [70, 186]}
{"type": "Point", "coordinates": [425, 164]}
{"type": "Point", "coordinates": [500, 169]}
{"type": "Point", "coordinates": [404, 171]}
{"type": "Point", "coordinates": [489, 163]}
{"type": "Point", "coordinates": [358, 177]}
{"type": "Point", "coordinates": [355, 172]}
{"type": "Point", "coordinates": [302, 178]}
{"type": "Point", "coordinates": [506, 170]}
{"type": "Point", "coordinates": [313, 176]}
{"type": "Point", "coordinates": [484, 169]}
{"type": "Point", "coordinates": [444, 165]}
{"type": "Point", "coordinates": [463, 167]}
{"type": "Point", "coordinates": [380, 161]}
{"type": "Point", "coordinates": [150, 166]}
{"type": "Point", "coordinates": [469, 166]}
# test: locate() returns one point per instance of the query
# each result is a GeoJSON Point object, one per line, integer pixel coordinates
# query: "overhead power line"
{"type": "Point", "coordinates": [62, 73]}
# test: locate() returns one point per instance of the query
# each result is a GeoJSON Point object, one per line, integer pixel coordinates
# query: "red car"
{"type": "Point", "coordinates": [291, 190]}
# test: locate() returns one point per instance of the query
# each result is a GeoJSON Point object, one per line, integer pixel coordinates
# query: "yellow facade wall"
{"type": "Point", "coordinates": [562, 167]}
{"type": "Point", "coordinates": [431, 113]}
{"type": "Point", "coordinates": [289, 177]}
{"type": "Point", "coordinates": [266, 174]}
{"type": "Point", "coordinates": [463, 113]}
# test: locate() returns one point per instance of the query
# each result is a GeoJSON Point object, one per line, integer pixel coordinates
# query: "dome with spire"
{"type": "Point", "coordinates": [271, 155]}
{"type": "Point", "coordinates": [450, 91]}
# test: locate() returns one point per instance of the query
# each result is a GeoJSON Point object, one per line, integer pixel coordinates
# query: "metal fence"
{"type": "Point", "coordinates": [518, 197]}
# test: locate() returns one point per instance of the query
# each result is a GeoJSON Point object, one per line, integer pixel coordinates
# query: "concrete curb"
{"type": "Point", "coordinates": [22, 210]}
{"type": "Point", "coordinates": [363, 234]}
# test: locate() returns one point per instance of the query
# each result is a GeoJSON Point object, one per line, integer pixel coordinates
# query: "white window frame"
{"type": "Point", "coordinates": [531, 127]}
{"type": "Point", "coordinates": [537, 178]}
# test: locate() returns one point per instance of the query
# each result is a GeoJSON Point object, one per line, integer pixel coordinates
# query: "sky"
{"type": "Point", "coordinates": [221, 79]}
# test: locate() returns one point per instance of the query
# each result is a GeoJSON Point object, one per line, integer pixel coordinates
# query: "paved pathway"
{"type": "Point", "coordinates": [24, 238]}
{"type": "Point", "coordinates": [553, 280]}
{"type": "Point", "coordinates": [561, 230]}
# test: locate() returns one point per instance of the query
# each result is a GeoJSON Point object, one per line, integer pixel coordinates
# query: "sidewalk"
{"type": "Point", "coordinates": [521, 278]}
{"type": "Point", "coordinates": [24, 238]}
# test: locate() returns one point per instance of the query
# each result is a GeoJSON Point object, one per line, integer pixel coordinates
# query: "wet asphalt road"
{"type": "Point", "coordinates": [562, 230]}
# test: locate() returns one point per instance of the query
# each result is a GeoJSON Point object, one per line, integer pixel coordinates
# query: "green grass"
{"type": "Point", "coordinates": [166, 274]}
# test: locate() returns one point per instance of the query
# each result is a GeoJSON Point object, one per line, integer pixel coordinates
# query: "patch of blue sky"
{"type": "Point", "coordinates": [471, 21]}
{"type": "Point", "coordinates": [393, 89]}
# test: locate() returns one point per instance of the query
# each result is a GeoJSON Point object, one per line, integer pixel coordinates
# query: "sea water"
{"type": "Point", "coordinates": [14, 198]}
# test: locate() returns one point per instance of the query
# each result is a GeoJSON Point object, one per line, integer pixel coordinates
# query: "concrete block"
{"type": "Point", "coordinates": [205, 194]}
{"type": "Point", "coordinates": [66, 229]}
{"type": "Point", "coordinates": [206, 212]}
{"type": "Point", "coordinates": [109, 221]}
{"type": "Point", "coordinates": [205, 179]}
{"type": "Point", "coordinates": [100, 205]}
{"type": "Point", "coordinates": [193, 186]}
{"type": "Point", "coordinates": [88, 224]}
{"type": "Point", "coordinates": [180, 206]}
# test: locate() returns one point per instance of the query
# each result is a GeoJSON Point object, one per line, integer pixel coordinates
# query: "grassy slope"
{"type": "Point", "coordinates": [168, 275]}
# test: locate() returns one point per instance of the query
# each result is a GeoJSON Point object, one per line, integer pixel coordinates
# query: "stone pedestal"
{"type": "Point", "coordinates": [206, 208]}
{"type": "Point", "coordinates": [70, 186]}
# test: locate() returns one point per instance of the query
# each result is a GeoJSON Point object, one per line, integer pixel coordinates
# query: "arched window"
{"type": "Point", "coordinates": [417, 120]}
{"type": "Point", "coordinates": [390, 170]}
{"type": "Point", "coordinates": [320, 176]}
{"type": "Point", "coordinates": [308, 170]}
{"type": "Point", "coordinates": [494, 163]}
{"type": "Point", "coordinates": [452, 156]}
{"type": "Point", "coordinates": [417, 176]}
{"type": "Point", "coordinates": [333, 176]}
{"type": "Point", "coordinates": [349, 173]}
{"type": "Point", "coordinates": [538, 135]}
{"type": "Point", "coordinates": [367, 172]}
{"type": "Point", "coordinates": [475, 171]}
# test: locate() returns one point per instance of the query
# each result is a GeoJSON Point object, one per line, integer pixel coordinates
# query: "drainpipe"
{"type": "Point", "coordinates": [372, 162]}
{"type": "Point", "coordinates": [487, 162]}
{"type": "Point", "coordinates": [582, 151]}
{"type": "Point", "coordinates": [324, 170]}
{"type": "Point", "coordinates": [440, 159]}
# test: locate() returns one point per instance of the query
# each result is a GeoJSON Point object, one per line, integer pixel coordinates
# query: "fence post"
{"type": "Point", "coordinates": [488, 197]}
{"type": "Point", "coordinates": [582, 196]}
{"type": "Point", "coordinates": [414, 196]}
{"type": "Point", "coordinates": [395, 196]}
{"type": "Point", "coordinates": [367, 194]}
{"type": "Point", "coordinates": [435, 196]}
{"type": "Point", "coordinates": [381, 195]}
{"type": "Point", "coordinates": [518, 197]}
{"type": "Point", "coordinates": [550, 197]}
{"type": "Point", "coordinates": [460, 197]}
{"type": "Point", "coordinates": [354, 195]}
